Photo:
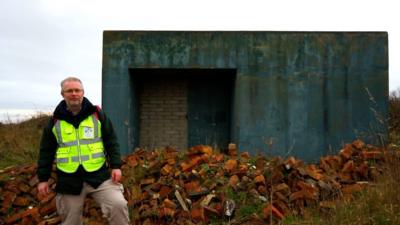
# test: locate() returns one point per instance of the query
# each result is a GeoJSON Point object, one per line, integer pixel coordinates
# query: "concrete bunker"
{"type": "Point", "coordinates": [307, 93]}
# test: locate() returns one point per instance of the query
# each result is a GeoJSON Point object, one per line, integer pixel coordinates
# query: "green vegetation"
{"type": "Point", "coordinates": [19, 142]}
{"type": "Point", "coordinates": [378, 204]}
{"type": "Point", "coordinates": [394, 117]}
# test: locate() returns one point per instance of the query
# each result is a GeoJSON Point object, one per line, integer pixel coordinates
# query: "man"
{"type": "Point", "coordinates": [81, 140]}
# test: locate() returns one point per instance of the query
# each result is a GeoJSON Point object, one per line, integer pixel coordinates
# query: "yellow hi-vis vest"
{"type": "Point", "coordinates": [82, 146]}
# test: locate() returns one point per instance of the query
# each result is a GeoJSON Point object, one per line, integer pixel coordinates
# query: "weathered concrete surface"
{"type": "Point", "coordinates": [297, 93]}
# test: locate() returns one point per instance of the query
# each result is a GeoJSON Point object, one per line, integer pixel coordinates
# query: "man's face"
{"type": "Point", "coordinates": [72, 93]}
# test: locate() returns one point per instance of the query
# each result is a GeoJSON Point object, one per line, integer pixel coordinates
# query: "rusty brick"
{"type": "Point", "coordinates": [233, 181]}
{"type": "Point", "coordinates": [8, 199]}
{"type": "Point", "coordinates": [282, 206]}
{"type": "Point", "coordinates": [197, 213]}
{"type": "Point", "coordinates": [310, 188]}
{"type": "Point", "coordinates": [347, 151]}
{"type": "Point", "coordinates": [245, 155]}
{"type": "Point", "coordinates": [323, 164]}
{"type": "Point", "coordinates": [243, 168]}
{"type": "Point", "coordinates": [350, 189]}
{"type": "Point", "coordinates": [25, 188]}
{"type": "Point", "coordinates": [335, 162]}
{"type": "Point", "coordinates": [277, 176]}
{"type": "Point", "coordinates": [191, 163]}
{"type": "Point", "coordinates": [348, 167]}
{"type": "Point", "coordinates": [270, 209]}
{"type": "Point", "coordinates": [13, 218]}
{"type": "Point", "coordinates": [260, 179]}
{"type": "Point", "coordinates": [12, 186]}
{"type": "Point", "coordinates": [192, 186]}
{"type": "Point", "coordinates": [314, 172]}
{"type": "Point", "coordinates": [171, 161]}
{"type": "Point", "coordinates": [362, 170]}
{"type": "Point", "coordinates": [94, 222]}
{"type": "Point", "coordinates": [282, 187]}
{"type": "Point", "coordinates": [291, 162]}
{"type": "Point", "coordinates": [260, 162]}
{"type": "Point", "coordinates": [211, 210]}
{"type": "Point", "coordinates": [346, 177]}
{"type": "Point", "coordinates": [166, 212]}
{"type": "Point", "coordinates": [33, 181]}
{"type": "Point", "coordinates": [280, 196]}
{"type": "Point", "coordinates": [34, 213]}
{"type": "Point", "coordinates": [147, 181]}
{"type": "Point", "coordinates": [230, 165]}
{"type": "Point", "coordinates": [93, 213]}
{"type": "Point", "coordinates": [218, 157]}
{"type": "Point", "coordinates": [148, 222]}
{"type": "Point", "coordinates": [232, 149]}
{"type": "Point", "coordinates": [303, 195]}
{"type": "Point", "coordinates": [200, 149]}
{"type": "Point", "coordinates": [21, 201]}
{"type": "Point", "coordinates": [262, 189]}
{"type": "Point", "coordinates": [48, 208]}
{"type": "Point", "coordinates": [27, 221]}
{"type": "Point", "coordinates": [166, 169]}
{"type": "Point", "coordinates": [370, 155]}
{"type": "Point", "coordinates": [358, 144]}
{"type": "Point", "coordinates": [30, 169]}
{"type": "Point", "coordinates": [293, 183]}
{"type": "Point", "coordinates": [165, 191]}
{"type": "Point", "coordinates": [132, 160]}
{"type": "Point", "coordinates": [169, 203]}
{"type": "Point", "coordinates": [47, 198]}
{"type": "Point", "coordinates": [44, 222]}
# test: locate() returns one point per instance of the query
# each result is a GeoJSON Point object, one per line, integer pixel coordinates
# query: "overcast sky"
{"type": "Point", "coordinates": [43, 41]}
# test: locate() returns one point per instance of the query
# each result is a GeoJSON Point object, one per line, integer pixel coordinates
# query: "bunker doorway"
{"type": "Point", "coordinates": [183, 107]}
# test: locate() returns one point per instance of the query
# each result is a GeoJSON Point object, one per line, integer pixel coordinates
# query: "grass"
{"type": "Point", "coordinates": [19, 143]}
{"type": "Point", "coordinates": [394, 117]}
{"type": "Point", "coordinates": [379, 204]}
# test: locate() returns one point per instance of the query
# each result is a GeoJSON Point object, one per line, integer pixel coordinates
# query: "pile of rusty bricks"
{"type": "Point", "coordinates": [171, 187]}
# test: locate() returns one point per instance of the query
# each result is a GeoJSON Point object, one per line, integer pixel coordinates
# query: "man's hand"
{"type": "Point", "coordinates": [43, 188]}
{"type": "Point", "coordinates": [116, 175]}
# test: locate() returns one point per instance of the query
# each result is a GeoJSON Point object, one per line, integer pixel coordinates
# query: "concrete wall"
{"type": "Point", "coordinates": [304, 93]}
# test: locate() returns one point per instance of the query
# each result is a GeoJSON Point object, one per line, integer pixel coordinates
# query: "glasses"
{"type": "Point", "coordinates": [70, 91]}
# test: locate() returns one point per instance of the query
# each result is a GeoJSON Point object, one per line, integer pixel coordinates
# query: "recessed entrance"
{"type": "Point", "coordinates": [183, 107]}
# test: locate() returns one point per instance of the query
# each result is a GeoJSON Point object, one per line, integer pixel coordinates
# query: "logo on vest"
{"type": "Point", "coordinates": [88, 132]}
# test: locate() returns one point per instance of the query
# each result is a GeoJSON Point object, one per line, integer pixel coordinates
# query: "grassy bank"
{"type": "Point", "coordinates": [19, 142]}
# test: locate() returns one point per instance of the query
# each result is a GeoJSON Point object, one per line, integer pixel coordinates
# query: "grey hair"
{"type": "Point", "coordinates": [70, 79]}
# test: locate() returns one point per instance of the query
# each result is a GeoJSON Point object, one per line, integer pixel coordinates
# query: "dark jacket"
{"type": "Point", "coordinates": [72, 183]}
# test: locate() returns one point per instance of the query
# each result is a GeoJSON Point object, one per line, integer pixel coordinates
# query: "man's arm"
{"type": "Point", "coordinates": [48, 146]}
{"type": "Point", "coordinates": [110, 141]}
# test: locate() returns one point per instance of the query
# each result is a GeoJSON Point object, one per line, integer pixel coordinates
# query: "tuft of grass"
{"type": "Point", "coordinates": [246, 204]}
{"type": "Point", "coordinates": [19, 143]}
{"type": "Point", "coordinates": [394, 117]}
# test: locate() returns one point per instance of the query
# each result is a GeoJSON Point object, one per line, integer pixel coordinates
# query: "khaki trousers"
{"type": "Point", "coordinates": [108, 195]}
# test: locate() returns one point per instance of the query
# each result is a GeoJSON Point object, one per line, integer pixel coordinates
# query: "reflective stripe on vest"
{"type": "Point", "coordinates": [81, 146]}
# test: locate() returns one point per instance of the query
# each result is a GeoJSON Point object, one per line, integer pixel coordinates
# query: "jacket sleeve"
{"type": "Point", "coordinates": [110, 141]}
{"type": "Point", "coordinates": [47, 151]}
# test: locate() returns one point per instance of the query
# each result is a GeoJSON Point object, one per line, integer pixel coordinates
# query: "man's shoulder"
{"type": "Point", "coordinates": [99, 113]}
